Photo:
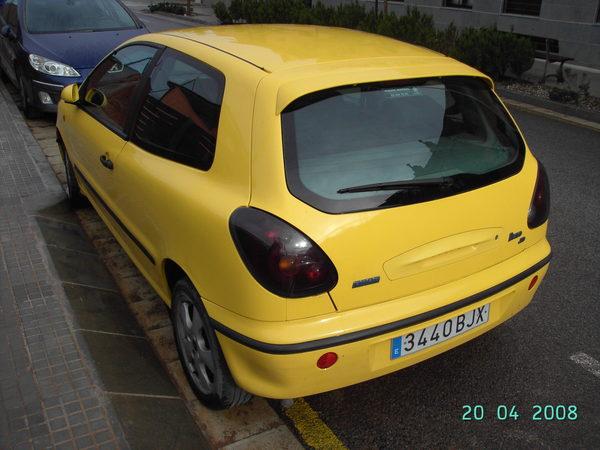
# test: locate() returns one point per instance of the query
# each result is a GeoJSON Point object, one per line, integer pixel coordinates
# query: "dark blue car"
{"type": "Point", "coordinates": [48, 44]}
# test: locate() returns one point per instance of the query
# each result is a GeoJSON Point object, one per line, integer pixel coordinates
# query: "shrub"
{"type": "Point", "coordinates": [222, 12]}
{"type": "Point", "coordinates": [493, 51]}
{"type": "Point", "coordinates": [563, 95]}
{"type": "Point", "coordinates": [175, 8]}
{"type": "Point", "coordinates": [521, 54]}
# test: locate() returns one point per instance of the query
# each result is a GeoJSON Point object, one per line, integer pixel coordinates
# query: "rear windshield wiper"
{"type": "Point", "coordinates": [399, 185]}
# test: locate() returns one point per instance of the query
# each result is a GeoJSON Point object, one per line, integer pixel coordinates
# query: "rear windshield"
{"type": "Point", "coordinates": [67, 16]}
{"type": "Point", "coordinates": [381, 145]}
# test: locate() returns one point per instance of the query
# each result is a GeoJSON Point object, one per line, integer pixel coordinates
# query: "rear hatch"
{"type": "Point", "coordinates": [420, 183]}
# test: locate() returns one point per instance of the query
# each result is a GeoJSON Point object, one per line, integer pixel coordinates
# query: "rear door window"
{"type": "Point", "coordinates": [179, 116]}
{"type": "Point", "coordinates": [113, 84]}
{"type": "Point", "coordinates": [395, 143]}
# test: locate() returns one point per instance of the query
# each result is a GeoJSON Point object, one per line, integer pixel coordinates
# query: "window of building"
{"type": "Point", "coordinates": [111, 86]}
{"type": "Point", "coordinates": [539, 43]}
{"type": "Point", "coordinates": [524, 7]}
{"type": "Point", "coordinates": [179, 117]}
{"type": "Point", "coordinates": [466, 4]}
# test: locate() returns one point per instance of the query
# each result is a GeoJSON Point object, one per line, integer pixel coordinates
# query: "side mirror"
{"type": "Point", "coordinates": [70, 94]}
{"type": "Point", "coordinates": [7, 32]}
{"type": "Point", "coordinates": [95, 97]}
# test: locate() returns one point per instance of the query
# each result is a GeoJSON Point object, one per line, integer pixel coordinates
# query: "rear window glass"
{"type": "Point", "coordinates": [395, 143]}
{"type": "Point", "coordinates": [64, 16]}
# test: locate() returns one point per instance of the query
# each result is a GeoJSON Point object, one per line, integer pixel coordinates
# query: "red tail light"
{"type": "Point", "coordinates": [540, 203]}
{"type": "Point", "coordinates": [281, 258]}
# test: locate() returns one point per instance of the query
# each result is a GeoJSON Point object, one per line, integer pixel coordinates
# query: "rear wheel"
{"type": "Point", "coordinates": [200, 353]}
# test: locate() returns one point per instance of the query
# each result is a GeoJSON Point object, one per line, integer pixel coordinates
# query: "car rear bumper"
{"type": "Point", "coordinates": [271, 360]}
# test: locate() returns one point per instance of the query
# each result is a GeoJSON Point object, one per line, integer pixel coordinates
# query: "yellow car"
{"type": "Point", "coordinates": [318, 206]}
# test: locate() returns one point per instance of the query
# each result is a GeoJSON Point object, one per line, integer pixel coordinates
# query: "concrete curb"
{"type": "Point", "coordinates": [552, 114]}
{"type": "Point", "coordinates": [563, 108]}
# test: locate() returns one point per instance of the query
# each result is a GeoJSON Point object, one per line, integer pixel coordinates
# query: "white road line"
{"type": "Point", "coordinates": [587, 362]}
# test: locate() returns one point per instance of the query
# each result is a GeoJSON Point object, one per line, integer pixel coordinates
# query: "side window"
{"type": "Point", "coordinates": [109, 90]}
{"type": "Point", "coordinates": [179, 117]}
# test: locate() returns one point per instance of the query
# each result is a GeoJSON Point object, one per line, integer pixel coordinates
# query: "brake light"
{"type": "Point", "coordinates": [540, 202]}
{"type": "Point", "coordinates": [281, 258]}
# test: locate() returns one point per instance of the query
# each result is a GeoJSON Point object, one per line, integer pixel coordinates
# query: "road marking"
{"type": "Point", "coordinates": [587, 362]}
{"type": "Point", "coordinates": [314, 431]}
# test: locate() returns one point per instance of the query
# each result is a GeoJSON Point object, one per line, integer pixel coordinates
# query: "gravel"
{"type": "Point", "coordinates": [588, 103]}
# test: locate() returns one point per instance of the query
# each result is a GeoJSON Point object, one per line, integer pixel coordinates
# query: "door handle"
{"type": "Point", "coordinates": [106, 162]}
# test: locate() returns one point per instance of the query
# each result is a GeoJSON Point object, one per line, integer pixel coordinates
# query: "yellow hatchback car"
{"type": "Point", "coordinates": [318, 206]}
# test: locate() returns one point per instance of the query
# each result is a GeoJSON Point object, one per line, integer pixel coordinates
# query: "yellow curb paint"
{"type": "Point", "coordinates": [315, 433]}
{"type": "Point", "coordinates": [553, 115]}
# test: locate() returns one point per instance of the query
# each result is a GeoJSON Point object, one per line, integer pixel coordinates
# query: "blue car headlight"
{"type": "Point", "coordinates": [50, 67]}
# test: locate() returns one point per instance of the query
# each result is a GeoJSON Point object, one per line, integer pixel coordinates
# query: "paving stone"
{"type": "Point", "coordinates": [101, 310]}
{"type": "Point", "coordinates": [68, 264]}
{"type": "Point", "coordinates": [64, 235]}
{"type": "Point", "coordinates": [136, 369]}
{"type": "Point", "coordinates": [158, 423]}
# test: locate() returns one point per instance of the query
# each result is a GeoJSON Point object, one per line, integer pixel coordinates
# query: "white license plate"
{"type": "Point", "coordinates": [440, 332]}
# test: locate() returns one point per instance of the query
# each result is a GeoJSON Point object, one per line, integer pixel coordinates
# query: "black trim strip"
{"type": "Point", "coordinates": [302, 347]}
{"type": "Point", "coordinates": [143, 249]}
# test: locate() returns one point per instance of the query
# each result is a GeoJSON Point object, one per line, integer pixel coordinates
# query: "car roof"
{"type": "Point", "coordinates": [277, 47]}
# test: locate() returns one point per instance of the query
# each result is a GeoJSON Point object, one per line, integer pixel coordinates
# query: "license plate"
{"type": "Point", "coordinates": [440, 332]}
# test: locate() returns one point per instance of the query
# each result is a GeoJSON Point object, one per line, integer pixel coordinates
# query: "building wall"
{"type": "Point", "coordinates": [572, 23]}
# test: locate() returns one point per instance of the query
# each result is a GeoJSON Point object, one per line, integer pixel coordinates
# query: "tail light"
{"type": "Point", "coordinates": [540, 203]}
{"type": "Point", "coordinates": [281, 258]}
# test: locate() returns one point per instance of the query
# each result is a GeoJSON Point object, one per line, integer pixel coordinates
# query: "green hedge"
{"type": "Point", "coordinates": [175, 8]}
{"type": "Point", "coordinates": [489, 50]}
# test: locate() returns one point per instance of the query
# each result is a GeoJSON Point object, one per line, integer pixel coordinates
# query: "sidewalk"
{"type": "Point", "coordinates": [75, 369]}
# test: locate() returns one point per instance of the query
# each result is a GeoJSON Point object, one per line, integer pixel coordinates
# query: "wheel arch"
{"type": "Point", "coordinates": [61, 144]}
{"type": "Point", "coordinates": [173, 272]}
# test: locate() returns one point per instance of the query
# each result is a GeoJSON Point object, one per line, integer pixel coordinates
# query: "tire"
{"type": "Point", "coordinates": [200, 353]}
{"type": "Point", "coordinates": [29, 111]}
{"type": "Point", "coordinates": [74, 195]}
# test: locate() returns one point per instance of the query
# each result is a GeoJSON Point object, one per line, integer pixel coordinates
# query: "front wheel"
{"type": "Point", "coordinates": [76, 199]}
{"type": "Point", "coordinates": [200, 353]}
{"type": "Point", "coordinates": [29, 111]}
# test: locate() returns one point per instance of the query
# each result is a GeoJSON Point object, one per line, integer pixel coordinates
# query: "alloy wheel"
{"type": "Point", "coordinates": [196, 352]}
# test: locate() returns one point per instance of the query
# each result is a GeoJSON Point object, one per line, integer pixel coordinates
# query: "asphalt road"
{"type": "Point", "coordinates": [522, 363]}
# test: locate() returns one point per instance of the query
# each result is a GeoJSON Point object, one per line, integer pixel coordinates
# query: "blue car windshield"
{"type": "Point", "coordinates": [66, 16]}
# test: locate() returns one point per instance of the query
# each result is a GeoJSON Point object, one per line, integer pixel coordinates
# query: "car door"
{"type": "Point", "coordinates": [9, 15]}
{"type": "Point", "coordinates": [96, 129]}
{"type": "Point", "coordinates": [167, 162]}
